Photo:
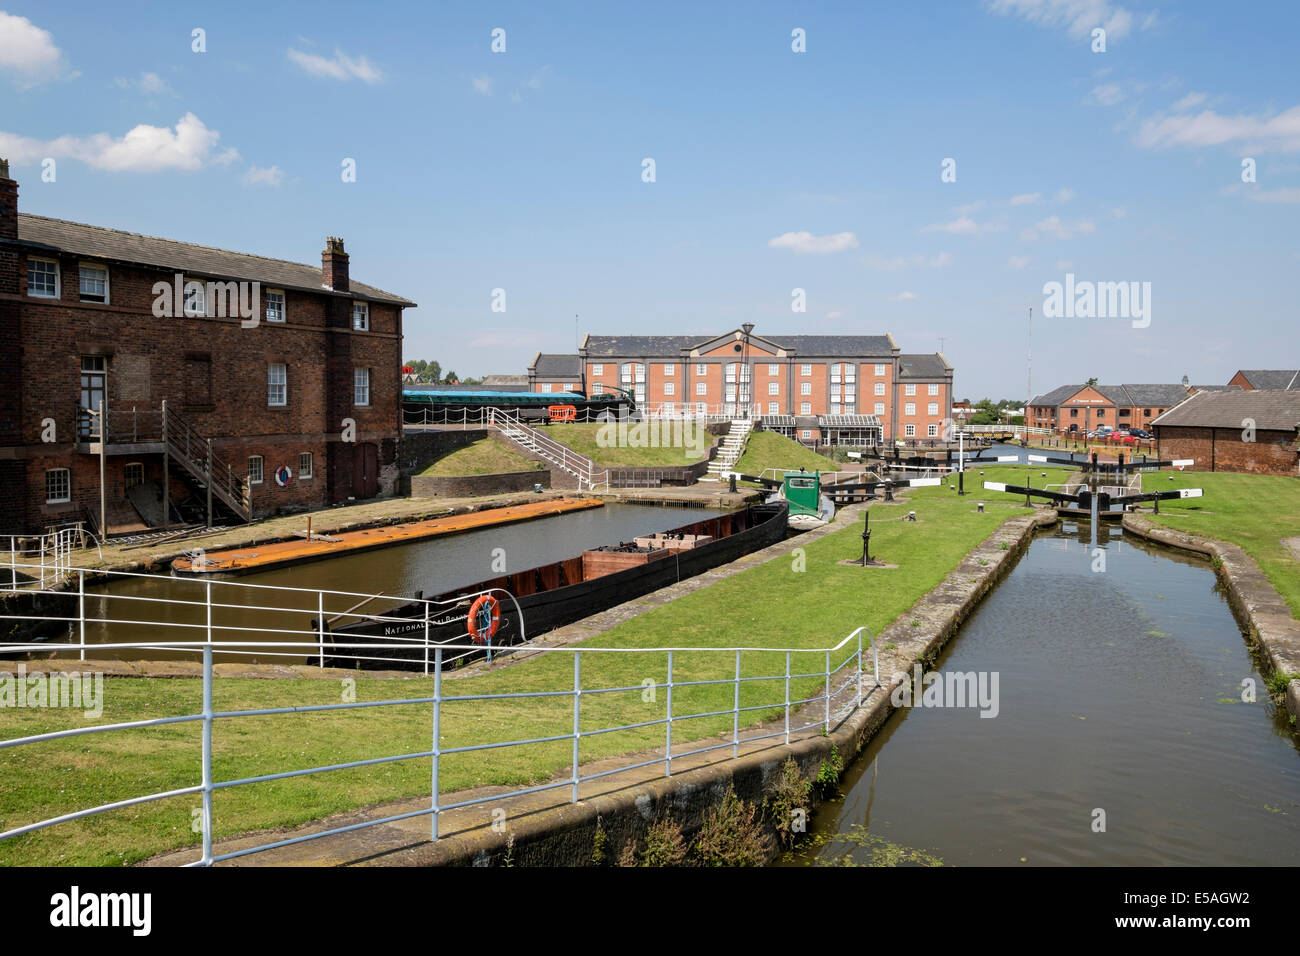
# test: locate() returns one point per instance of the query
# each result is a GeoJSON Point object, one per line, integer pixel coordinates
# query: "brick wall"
{"type": "Point", "coordinates": [1221, 449]}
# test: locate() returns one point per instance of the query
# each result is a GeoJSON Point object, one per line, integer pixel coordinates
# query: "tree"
{"type": "Point", "coordinates": [1092, 382]}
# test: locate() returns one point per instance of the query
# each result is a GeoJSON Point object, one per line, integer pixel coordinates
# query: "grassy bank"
{"type": "Point", "coordinates": [487, 456]}
{"type": "Point", "coordinates": [1254, 512]}
{"type": "Point", "coordinates": [810, 603]}
{"type": "Point", "coordinates": [770, 450]}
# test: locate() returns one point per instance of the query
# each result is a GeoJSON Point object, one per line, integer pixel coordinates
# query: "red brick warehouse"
{"type": "Point", "coordinates": [299, 400]}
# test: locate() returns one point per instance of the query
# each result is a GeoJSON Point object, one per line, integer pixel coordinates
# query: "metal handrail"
{"type": "Point", "coordinates": [849, 693]}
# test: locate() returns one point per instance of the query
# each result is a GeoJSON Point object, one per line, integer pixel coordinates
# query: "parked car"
{"type": "Point", "coordinates": [1141, 433]}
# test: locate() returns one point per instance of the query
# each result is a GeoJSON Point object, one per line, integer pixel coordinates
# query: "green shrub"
{"type": "Point", "coordinates": [664, 845]}
{"type": "Point", "coordinates": [731, 835]}
{"type": "Point", "coordinates": [789, 793]}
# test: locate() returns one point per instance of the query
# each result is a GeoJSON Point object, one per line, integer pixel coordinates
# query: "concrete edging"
{"type": "Point", "coordinates": [1251, 595]}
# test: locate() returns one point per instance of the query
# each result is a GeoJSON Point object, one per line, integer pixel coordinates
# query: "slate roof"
{"type": "Point", "coordinates": [830, 346]}
{"type": "Point", "coordinates": [1264, 378]}
{"type": "Point", "coordinates": [1126, 396]}
{"type": "Point", "coordinates": [554, 365]}
{"type": "Point", "coordinates": [933, 365]}
{"type": "Point", "coordinates": [172, 255]}
{"type": "Point", "coordinates": [1271, 409]}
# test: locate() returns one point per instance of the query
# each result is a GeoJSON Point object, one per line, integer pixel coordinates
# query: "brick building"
{"type": "Point", "coordinates": [291, 372]}
{"type": "Point", "coordinates": [555, 373]}
{"type": "Point", "coordinates": [1250, 430]}
{"type": "Point", "coordinates": [1079, 409]}
{"type": "Point", "coordinates": [813, 387]}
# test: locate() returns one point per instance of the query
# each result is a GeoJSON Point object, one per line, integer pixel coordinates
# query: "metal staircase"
{"type": "Point", "coordinates": [194, 453]}
{"type": "Point", "coordinates": [729, 452]}
{"type": "Point", "coordinates": [511, 426]}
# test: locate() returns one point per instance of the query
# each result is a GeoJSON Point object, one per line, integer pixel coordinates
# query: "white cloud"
{"type": "Point", "coordinates": [1064, 264]}
{"type": "Point", "coordinates": [1026, 199]}
{"type": "Point", "coordinates": [806, 242]}
{"type": "Point", "coordinates": [970, 207]}
{"type": "Point", "coordinates": [1108, 94]}
{"type": "Point", "coordinates": [1078, 17]}
{"type": "Point", "coordinates": [264, 176]}
{"type": "Point", "coordinates": [28, 52]}
{"type": "Point", "coordinates": [1208, 128]}
{"type": "Point", "coordinates": [341, 67]}
{"type": "Point", "coordinates": [962, 226]}
{"type": "Point", "coordinates": [482, 85]}
{"type": "Point", "coordinates": [903, 297]}
{"type": "Point", "coordinates": [1053, 228]}
{"type": "Point", "coordinates": [1189, 101]}
{"type": "Point", "coordinates": [1064, 195]}
{"type": "Point", "coordinates": [149, 84]}
{"type": "Point", "coordinates": [1119, 212]}
{"type": "Point", "coordinates": [1017, 262]}
{"type": "Point", "coordinates": [189, 145]}
{"type": "Point", "coordinates": [940, 261]}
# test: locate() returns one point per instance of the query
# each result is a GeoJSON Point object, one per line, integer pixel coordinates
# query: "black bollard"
{"type": "Point", "coordinates": [731, 483]}
{"type": "Point", "coordinates": [866, 537]}
{"type": "Point", "coordinates": [889, 490]}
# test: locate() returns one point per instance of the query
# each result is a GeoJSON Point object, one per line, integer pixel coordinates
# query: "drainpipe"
{"type": "Point", "coordinates": [103, 452]}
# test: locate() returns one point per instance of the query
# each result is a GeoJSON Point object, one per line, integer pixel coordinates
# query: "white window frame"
{"type": "Point", "coordinates": [774, 388]}
{"type": "Point", "coordinates": [361, 387]}
{"type": "Point", "coordinates": [260, 470]}
{"type": "Point", "coordinates": [267, 310]}
{"type": "Point", "coordinates": [668, 371]}
{"type": "Point", "coordinates": [98, 267]}
{"type": "Point", "coordinates": [598, 370]}
{"type": "Point", "coordinates": [57, 280]}
{"type": "Point", "coordinates": [308, 471]}
{"type": "Point", "coordinates": [934, 389]}
{"type": "Point", "coordinates": [805, 369]}
{"type": "Point", "coordinates": [361, 310]}
{"type": "Point", "coordinates": [805, 408]}
{"type": "Point", "coordinates": [807, 434]}
{"type": "Point", "coordinates": [909, 389]}
{"type": "Point", "coordinates": [194, 298]}
{"type": "Point", "coordinates": [880, 408]}
{"type": "Point", "coordinates": [701, 407]}
{"type": "Point", "coordinates": [546, 388]}
{"type": "Point", "coordinates": [701, 368]}
{"type": "Point", "coordinates": [272, 384]}
{"type": "Point", "coordinates": [932, 430]}
{"type": "Point", "coordinates": [670, 388]}
{"type": "Point", "coordinates": [909, 408]}
{"type": "Point", "coordinates": [880, 369]}
{"type": "Point", "coordinates": [932, 408]}
{"type": "Point", "coordinates": [909, 430]}
{"type": "Point", "coordinates": [66, 482]}
{"type": "Point", "coordinates": [773, 369]}
{"type": "Point", "coordinates": [701, 388]}
{"type": "Point", "coordinates": [880, 388]}
{"type": "Point", "coordinates": [805, 388]}
{"type": "Point", "coordinates": [773, 408]}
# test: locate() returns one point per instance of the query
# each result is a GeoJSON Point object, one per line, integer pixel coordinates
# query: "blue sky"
{"type": "Point", "coordinates": [522, 170]}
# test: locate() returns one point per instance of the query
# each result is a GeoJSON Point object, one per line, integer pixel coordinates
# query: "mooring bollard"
{"type": "Point", "coordinates": [866, 538]}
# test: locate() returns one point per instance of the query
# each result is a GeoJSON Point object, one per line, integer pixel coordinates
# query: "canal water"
{"type": "Point", "coordinates": [1119, 690]}
{"type": "Point", "coordinates": [435, 566]}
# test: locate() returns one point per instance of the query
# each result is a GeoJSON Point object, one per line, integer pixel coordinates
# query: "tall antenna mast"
{"type": "Point", "coordinates": [1029, 367]}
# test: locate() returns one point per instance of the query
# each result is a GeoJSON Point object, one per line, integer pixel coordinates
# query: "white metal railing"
{"type": "Point", "coordinates": [316, 607]}
{"type": "Point", "coordinates": [838, 695]}
{"type": "Point", "coordinates": [562, 456]}
{"type": "Point", "coordinates": [1002, 429]}
{"type": "Point", "coordinates": [46, 559]}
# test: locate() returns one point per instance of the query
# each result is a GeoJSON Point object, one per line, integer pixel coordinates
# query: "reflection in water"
{"type": "Point", "coordinates": [1121, 691]}
{"type": "Point", "coordinates": [434, 566]}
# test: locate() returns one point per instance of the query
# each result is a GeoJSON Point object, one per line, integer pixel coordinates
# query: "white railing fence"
{"type": "Point", "coordinates": [562, 456]}
{"type": "Point", "coordinates": [843, 676]}
{"type": "Point", "coordinates": [41, 559]}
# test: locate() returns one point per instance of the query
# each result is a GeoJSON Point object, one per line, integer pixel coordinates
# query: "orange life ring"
{"type": "Point", "coordinates": [486, 610]}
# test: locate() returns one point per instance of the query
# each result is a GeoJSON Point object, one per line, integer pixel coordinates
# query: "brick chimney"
{"type": "Point", "coordinates": [8, 203]}
{"type": "Point", "coordinates": [334, 265]}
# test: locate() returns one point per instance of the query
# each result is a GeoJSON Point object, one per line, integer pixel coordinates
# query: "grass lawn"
{"type": "Point", "coordinates": [610, 447]}
{"type": "Point", "coordinates": [487, 456]}
{"type": "Point", "coordinates": [812, 608]}
{"type": "Point", "coordinates": [1254, 512]}
{"type": "Point", "coordinates": [770, 450]}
